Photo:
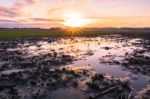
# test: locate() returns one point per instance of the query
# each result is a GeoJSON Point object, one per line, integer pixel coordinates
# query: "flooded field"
{"type": "Point", "coordinates": [104, 67]}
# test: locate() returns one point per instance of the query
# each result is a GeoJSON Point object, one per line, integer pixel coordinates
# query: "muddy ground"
{"type": "Point", "coordinates": [105, 67]}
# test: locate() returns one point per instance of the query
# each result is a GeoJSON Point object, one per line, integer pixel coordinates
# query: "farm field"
{"type": "Point", "coordinates": [86, 66]}
{"type": "Point", "coordinates": [74, 49]}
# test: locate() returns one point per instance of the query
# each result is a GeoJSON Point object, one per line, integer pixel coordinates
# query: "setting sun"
{"type": "Point", "coordinates": [75, 20]}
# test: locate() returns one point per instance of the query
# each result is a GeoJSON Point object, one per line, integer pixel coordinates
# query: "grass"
{"type": "Point", "coordinates": [11, 34]}
{"type": "Point", "coordinates": [24, 33]}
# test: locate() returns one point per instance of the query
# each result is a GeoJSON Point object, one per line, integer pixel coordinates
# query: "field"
{"type": "Point", "coordinates": [23, 33]}
{"type": "Point", "coordinates": [81, 64]}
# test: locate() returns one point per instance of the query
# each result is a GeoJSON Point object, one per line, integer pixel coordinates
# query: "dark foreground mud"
{"type": "Point", "coordinates": [39, 83]}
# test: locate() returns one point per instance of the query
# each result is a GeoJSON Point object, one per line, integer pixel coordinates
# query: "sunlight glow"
{"type": "Point", "coordinates": [75, 20]}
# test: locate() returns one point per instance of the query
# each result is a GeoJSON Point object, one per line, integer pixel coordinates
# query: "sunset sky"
{"type": "Point", "coordinates": [54, 13]}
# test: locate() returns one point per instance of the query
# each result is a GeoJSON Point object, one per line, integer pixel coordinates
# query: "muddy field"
{"type": "Point", "coordinates": [104, 67]}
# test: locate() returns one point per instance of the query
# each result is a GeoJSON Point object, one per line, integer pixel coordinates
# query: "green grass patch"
{"type": "Point", "coordinates": [22, 33]}
{"type": "Point", "coordinates": [25, 33]}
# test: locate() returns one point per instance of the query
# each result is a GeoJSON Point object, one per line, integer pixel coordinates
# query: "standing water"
{"type": "Point", "coordinates": [105, 55]}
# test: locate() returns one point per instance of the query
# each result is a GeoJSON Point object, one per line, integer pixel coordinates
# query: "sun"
{"type": "Point", "coordinates": [74, 20]}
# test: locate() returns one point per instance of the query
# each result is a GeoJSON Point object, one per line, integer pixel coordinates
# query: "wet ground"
{"type": "Point", "coordinates": [104, 67]}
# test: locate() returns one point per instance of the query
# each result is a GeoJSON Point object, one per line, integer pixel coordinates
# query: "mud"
{"type": "Point", "coordinates": [105, 67]}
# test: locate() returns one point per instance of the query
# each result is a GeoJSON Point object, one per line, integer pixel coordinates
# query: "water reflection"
{"type": "Point", "coordinates": [95, 52]}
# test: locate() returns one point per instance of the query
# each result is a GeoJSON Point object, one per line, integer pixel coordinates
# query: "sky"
{"type": "Point", "coordinates": [54, 13]}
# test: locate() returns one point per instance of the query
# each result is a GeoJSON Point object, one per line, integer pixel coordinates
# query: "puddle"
{"type": "Point", "coordinates": [104, 54]}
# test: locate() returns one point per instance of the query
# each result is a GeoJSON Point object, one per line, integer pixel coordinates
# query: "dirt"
{"type": "Point", "coordinates": [44, 68]}
{"type": "Point", "coordinates": [37, 84]}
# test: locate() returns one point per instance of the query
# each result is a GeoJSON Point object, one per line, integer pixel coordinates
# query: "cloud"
{"type": "Point", "coordinates": [66, 5]}
{"type": "Point", "coordinates": [42, 12]}
{"type": "Point", "coordinates": [46, 20]}
{"type": "Point", "coordinates": [15, 9]}
{"type": "Point", "coordinates": [7, 12]}
{"type": "Point", "coordinates": [30, 1]}
{"type": "Point", "coordinates": [7, 20]}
